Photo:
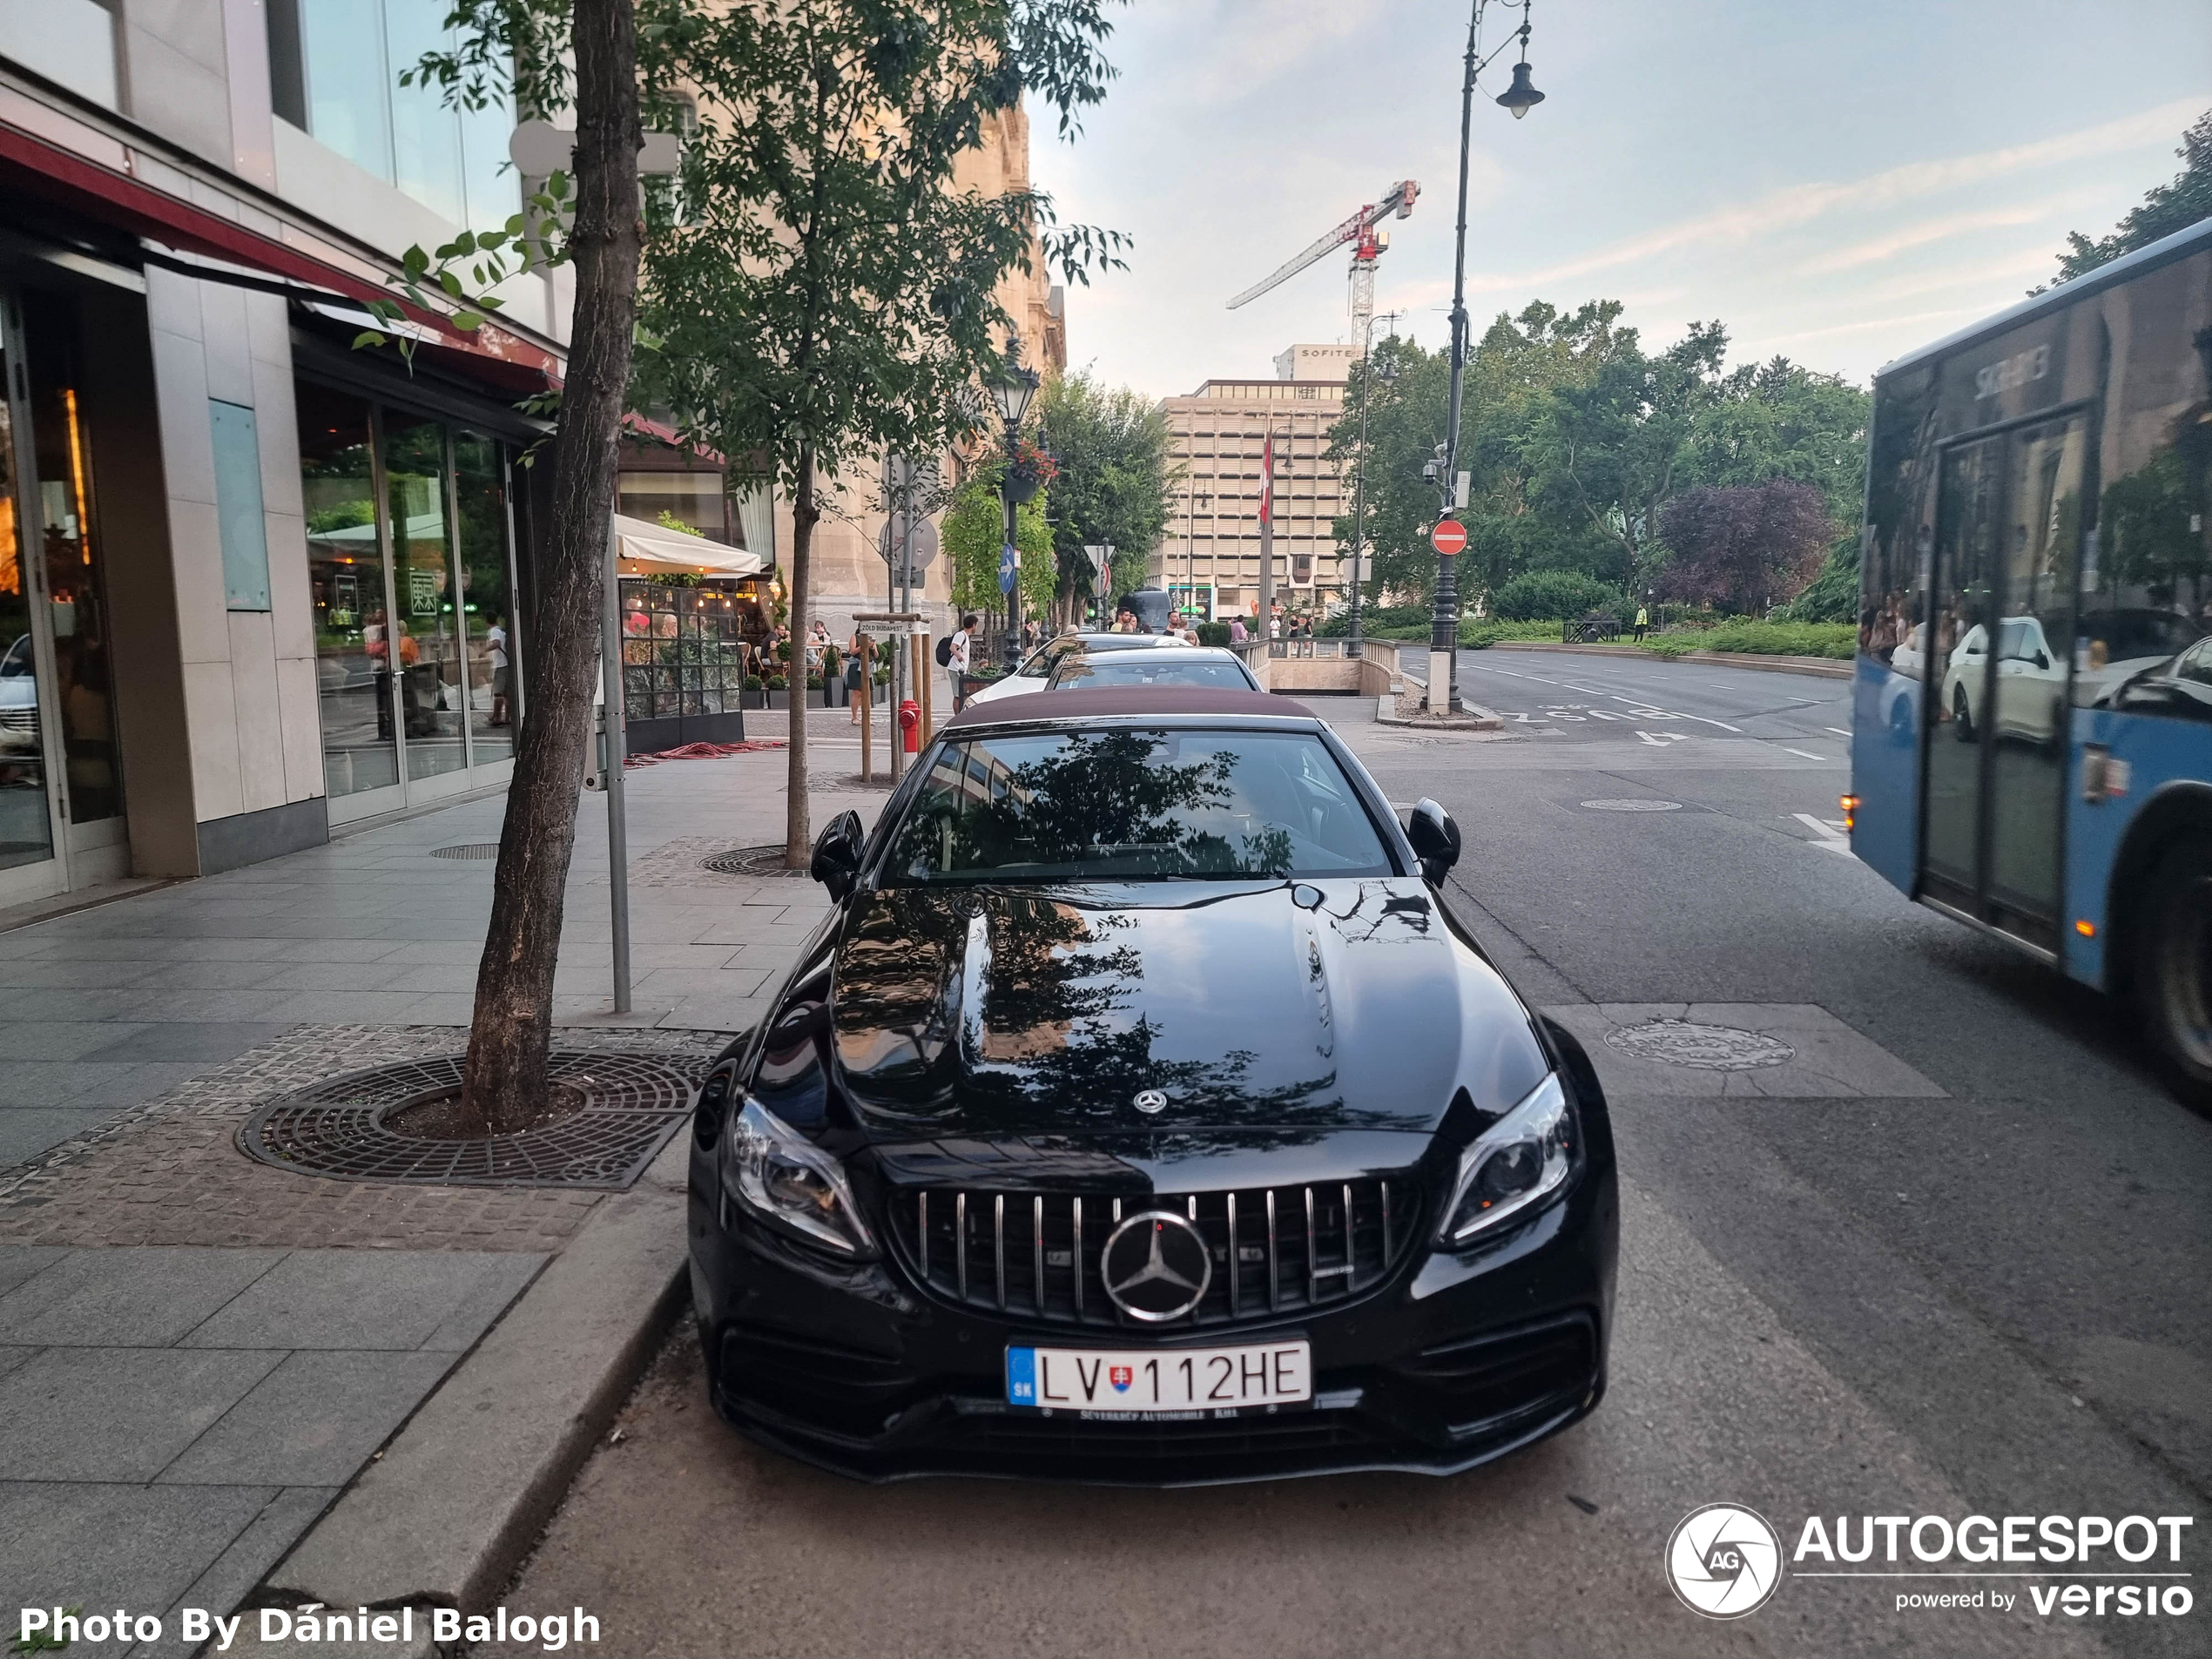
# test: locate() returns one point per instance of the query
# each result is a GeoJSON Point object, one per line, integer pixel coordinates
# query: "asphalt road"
{"type": "Point", "coordinates": [1981, 1293]}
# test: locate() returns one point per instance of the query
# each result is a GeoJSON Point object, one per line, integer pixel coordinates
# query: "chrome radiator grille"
{"type": "Point", "coordinates": [1274, 1250]}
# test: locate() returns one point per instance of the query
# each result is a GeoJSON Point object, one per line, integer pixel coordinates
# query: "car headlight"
{"type": "Point", "coordinates": [1518, 1163]}
{"type": "Point", "coordinates": [785, 1179]}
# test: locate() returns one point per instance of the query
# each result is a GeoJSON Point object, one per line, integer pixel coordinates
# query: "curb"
{"type": "Point", "coordinates": [457, 1499]}
{"type": "Point", "coordinates": [1475, 718]}
{"type": "Point", "coordinates": [1820, 667]}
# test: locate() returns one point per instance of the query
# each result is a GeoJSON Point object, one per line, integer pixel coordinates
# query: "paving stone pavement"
{"type": "Point", "coordinates": [176, 1419]}
{"type": "Point", "coordinates": [199, 1352]}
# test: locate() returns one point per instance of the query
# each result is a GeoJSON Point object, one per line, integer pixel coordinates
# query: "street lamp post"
{"type": "Point", "coordinates": [1520, 99]}
{"type": "Point", "coordinates": [1015, 388]}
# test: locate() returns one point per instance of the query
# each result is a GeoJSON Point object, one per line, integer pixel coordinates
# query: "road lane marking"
{"type": "Point", "coordinates": [1827, 832]}
{"type": "Point", "coordinates": [1660, 740]}
{"type": "Point", "coordinates": [1806, 753]}
{"type": "Point", "coordinates": [1838, 730]}
{"type": "Point", "coordinates": [1701, 721]}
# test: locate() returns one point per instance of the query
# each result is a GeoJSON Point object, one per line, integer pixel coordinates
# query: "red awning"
{"type": "Point", "coordinates": [35, 167]}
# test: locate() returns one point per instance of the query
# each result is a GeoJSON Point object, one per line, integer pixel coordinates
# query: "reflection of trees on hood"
{"type": "Point", "coordinates": [1095, 789]}
{"type": "Point", "coordinates": [1050, 967]}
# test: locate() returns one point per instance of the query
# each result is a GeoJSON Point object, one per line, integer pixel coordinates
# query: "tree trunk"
{"type": "Point", "coordinates": [799, 841]}
{"type": "Point", "coordinates": [503, 1081]}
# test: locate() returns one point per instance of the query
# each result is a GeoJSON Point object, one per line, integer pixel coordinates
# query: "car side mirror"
{"type": "Point", "coordinates": [2042, 660]}
{"type": "Point", "coordinates": [837, 854]}
{"type": "Point", "coordinates": [1435, 839]}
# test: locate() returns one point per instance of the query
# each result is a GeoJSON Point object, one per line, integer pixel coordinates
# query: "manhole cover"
{"type": "Point", "coordinates": [1633, 805]}
{"type": "Point", "coordinates": [759, 861]}
{"type": "Point", "coordinates": [1705, 1048]}
{"type": "Point", "coordinates": [336, 1128]}
{"type": "Point", "coordinates": [468, 850]}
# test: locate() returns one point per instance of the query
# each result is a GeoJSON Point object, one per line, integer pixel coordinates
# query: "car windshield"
{"type": "Point", "coordinates": [1089, 673]}
{"type": "Point", "coordinates": [1131, 804]}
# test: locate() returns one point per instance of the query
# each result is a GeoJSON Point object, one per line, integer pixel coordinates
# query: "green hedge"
{"type": "Point", "coordinates": [1837, 639]}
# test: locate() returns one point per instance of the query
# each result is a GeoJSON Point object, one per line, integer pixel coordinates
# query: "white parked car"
{"type": "Point", "coordinates": [1034, 673]}
{"type": "Point", "coordinates": [18, 698]}
{"type": "Point", "coordinates": [1088, 671]}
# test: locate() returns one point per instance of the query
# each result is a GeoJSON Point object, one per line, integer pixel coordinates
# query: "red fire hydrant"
{"type": "Point", "coordinates": [910, 722]}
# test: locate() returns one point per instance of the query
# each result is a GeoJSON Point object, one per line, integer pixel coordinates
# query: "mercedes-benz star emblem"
{"type": "Point", "coordinates": [1149, 1101]}
{"type": "Point", "coordinates": [1156, 1266]}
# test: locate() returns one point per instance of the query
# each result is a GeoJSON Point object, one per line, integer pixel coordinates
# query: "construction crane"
{"type": "Point", "coordinates": [1362, 229]}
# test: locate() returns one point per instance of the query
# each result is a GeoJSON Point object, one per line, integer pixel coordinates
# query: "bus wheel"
{"type": "Point", "coordinates": [2174, 971]}
{"type": "Point", "coordinates": [1962, 715]}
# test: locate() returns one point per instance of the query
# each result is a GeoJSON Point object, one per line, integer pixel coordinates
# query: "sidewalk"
{"type": "Point", "coordinates": [199, 1352]}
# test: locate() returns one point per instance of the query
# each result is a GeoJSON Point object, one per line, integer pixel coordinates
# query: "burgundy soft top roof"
{"type": "Point", "coordinates": [1055, 706]}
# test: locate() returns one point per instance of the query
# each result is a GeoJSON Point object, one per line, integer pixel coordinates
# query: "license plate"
{"type": "Point", "coordinates": [1161, 1382]}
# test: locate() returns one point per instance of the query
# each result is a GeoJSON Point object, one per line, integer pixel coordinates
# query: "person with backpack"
{"type": "Point", "coordinates": [952, 654]}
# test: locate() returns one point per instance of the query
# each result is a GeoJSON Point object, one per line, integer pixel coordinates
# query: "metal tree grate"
{"type": "Point", "coordinates": [760, 861]}
{"type": "Point", "coordinates": [337, 1128]}
{"type": "Point", "coordinates": [468, 850]}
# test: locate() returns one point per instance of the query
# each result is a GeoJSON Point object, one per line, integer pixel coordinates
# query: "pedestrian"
{"type": "Point", "coordinates": [495, 656]}
{"type": "Point", "coordinates": [957, 656]}
{"type": "Point", "coordinates": [1643, 621]}
{"type": "Point", "coordinates": [1125, 620]}
{"type": "Point", "coordinates": [1237, 634]}
{"type": "Point", "coordinates": [853, 677]}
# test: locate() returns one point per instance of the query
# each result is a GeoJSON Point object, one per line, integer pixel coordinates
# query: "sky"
{"type": "Point", "coordinates": [1838, 184]}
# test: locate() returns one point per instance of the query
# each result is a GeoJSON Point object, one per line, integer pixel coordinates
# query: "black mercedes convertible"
{"type": "Point", "coordinates": [1141, 1112]}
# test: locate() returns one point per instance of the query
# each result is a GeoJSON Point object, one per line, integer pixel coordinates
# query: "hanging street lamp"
{"type": "Point", "coordinates": [1013, 390]}
{"type": "Point", "coordinates": [1444, 621]}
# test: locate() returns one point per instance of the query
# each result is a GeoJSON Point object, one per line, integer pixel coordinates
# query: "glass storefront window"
{"type": "Point", "coordinates": [346, 571]}
{"type": "Point", "coordinates": [75, 598]}
{"type": "Point", "coordinates": [341, 49]}
{"type": "Point", "coordinates": [684, 648]}
{"type": "Point", "coordinates": [693, 499]}
{"type": "Point", "coordinates": [425, 628]}
{"type": "Point", "coordinates": [26, 830]}
{"type": "Point", "coordinates": [486, 610]}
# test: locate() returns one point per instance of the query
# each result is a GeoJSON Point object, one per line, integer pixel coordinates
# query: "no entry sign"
{"type": "Point", "coordinates": [1450, 537]}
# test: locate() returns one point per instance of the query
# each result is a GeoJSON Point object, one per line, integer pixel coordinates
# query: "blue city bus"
{"type": "Point", "coordinates": [2031, 743]}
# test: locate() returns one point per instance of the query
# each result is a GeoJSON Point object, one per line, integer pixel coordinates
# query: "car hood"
{"type": "Point", "coordinates": [1299, 1009]}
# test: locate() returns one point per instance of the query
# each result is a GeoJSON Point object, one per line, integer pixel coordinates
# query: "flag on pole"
{"type": "Point", "coordinates": [1267, 475]}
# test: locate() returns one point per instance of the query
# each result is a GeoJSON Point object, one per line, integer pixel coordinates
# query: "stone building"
{"type": "Point", "coordinates": [1208, 553]}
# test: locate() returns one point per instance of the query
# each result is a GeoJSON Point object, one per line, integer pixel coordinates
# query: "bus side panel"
{"type": "Point", "coordinates": [2155, 752]}
{"type": "Point", "coordinates": [1885, 770]}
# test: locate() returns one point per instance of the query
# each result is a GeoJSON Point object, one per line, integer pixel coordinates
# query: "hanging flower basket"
{"type": "Point", "coordinates": [1028, 470]}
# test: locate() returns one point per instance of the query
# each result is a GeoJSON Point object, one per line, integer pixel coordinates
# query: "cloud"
{"type": "Point", "coordinates": [1798, 204]}
{"type": "Point", "coordinates": [1760, 346]}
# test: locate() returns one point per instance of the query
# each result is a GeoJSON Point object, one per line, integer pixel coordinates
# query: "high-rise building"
{"type": "Point", "coordinates": [1209, 556]}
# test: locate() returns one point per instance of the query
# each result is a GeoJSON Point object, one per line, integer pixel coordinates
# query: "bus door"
{"type": "Point", "coordinates": [2009, 522]}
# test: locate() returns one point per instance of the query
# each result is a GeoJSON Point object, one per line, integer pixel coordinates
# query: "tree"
{"type": "Point", "coordinates": [521, 52]}
{"type": "Point", "coordinates": [821, 291]}
{"type": "Point", "coordinates": [1112, 448]}
{"type": "Point", "coordinates": [845, 304]}
{"type": "Point", "coordinates": [973, 533]}
{"type": "Point", "coordinates": [1743, 547]}
{"type": "Point", "coordinates": [2164, 209]}
{"type": "Point", "coordinates": [1404, 389]}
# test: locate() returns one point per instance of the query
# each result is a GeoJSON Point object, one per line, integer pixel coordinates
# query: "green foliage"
{"type": "Point", "coordinates": [973, 533]}
{"type": "Point", "coordinates": [1539, 594]}
{"type": "Point", "coordinates": [1836, 639]}
{"type": "Point", "coordinates": [1112, 447]}
{"type": "Point", "coordinates": [1213, 633]}
{"type": "Point", "coordinates": [668, 521]}
{"type": "Point", "coordinates": [2164, 209]}
{"type": "Point", "coordinates": [1481, 633]}
{"type": "Point", "coordinates": [1577, 437]}
{"type": "Point", "coordinates": [822, 292]}
{"type": "Point", "coordinates": [341, 516]}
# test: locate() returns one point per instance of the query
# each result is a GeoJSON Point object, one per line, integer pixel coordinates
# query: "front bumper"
{"type": "Point", "coordinates": [1452, 1361]}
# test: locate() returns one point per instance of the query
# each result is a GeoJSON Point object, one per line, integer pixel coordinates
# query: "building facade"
{"type": "Point", "coordinates": [254, 583]}
{"type": "Point", "coordinates": [1208, 558]}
